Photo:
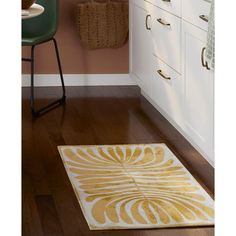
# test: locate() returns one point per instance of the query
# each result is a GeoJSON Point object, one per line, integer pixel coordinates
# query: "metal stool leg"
{"type": "Point", "coordinates": [32, 82]}
{"type": "Point", "coordinates": [59, 66]}
{"type": "Point", "coordinates": [32, 99]}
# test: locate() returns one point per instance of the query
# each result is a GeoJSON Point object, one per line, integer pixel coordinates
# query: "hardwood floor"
{"type": "Point", "coordinates": [92, 115]}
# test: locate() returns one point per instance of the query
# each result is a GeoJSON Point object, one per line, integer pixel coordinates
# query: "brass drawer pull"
{"type": "Point", "coordinates": [148, 28]}
{"type": "Point", "coordinates": [204, 63]}
{"type": "Point", "coordinates": [204, 18]}
{"type": "Point", "coordinates": [162, 75]}
{"type": "Point", "coordinates": [202, 57]}
{"type": "Point", "coordinates": [162, 22]}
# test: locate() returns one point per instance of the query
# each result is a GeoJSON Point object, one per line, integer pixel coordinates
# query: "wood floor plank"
{"type": "Point", "coordinates": [69, 211]}
{"type": "Point", "coordinates": [30, 220]}
{"type": "Point", "coordinates": [48, 215]}
{"type": "Point", "coordinates": [91, 115]}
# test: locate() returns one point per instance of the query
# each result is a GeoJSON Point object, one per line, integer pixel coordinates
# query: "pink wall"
{"type": "Point", "coordinates": [74, 58]}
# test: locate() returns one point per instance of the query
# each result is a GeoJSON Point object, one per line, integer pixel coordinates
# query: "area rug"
{"type": "Point", "coordinates": [135, 186]}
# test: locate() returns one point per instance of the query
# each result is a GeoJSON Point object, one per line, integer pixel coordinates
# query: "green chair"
{"type": "Point", "coordinates": [38, 30]}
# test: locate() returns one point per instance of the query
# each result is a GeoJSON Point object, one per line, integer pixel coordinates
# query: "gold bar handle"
{"type": "Point", "coordinates": [202, 57]}
{"type": "Point", "coordinates": [163, 22]}
{"type": "Point", "coordinates": [204, 63]}
{"type": "Point", "coordinates": [204, 18]}
{"type": "Point", "coordinates": [146, 22]}
{"type": "Point", "coordinates": [163, 76]}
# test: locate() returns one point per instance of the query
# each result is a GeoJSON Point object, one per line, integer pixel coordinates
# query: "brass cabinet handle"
{"type": "Point", "coordinates": [204, 18]}
{"type": "Point", "coordinates": [202, 57]}
{"type": "Point", "coordinates": [146, 22]}
{"type": "Point", "coordinates": [162, 22]}
{"type": "Point", "coordinates": [162, 75]}
{"type": "Point", "coordinates": [204, 63]}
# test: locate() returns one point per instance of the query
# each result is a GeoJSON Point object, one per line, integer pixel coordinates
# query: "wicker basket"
{"type": "Point", "coordinates": [102, 24]}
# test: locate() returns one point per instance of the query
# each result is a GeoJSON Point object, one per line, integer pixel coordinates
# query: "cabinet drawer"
{"type": "Point", "coordinates": [166, 30]}
{"type": "Point", "coordinates": [141, 3]}
{"type": "Point", "coordinates": [196, 12]}
{"type": "Point", "coordinates": [172, 6]}
{"type": "Point", "coordinates": [167, 90]}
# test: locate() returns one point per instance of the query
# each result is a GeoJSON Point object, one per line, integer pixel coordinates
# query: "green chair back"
{"type": "Point", "coordinates": [45, 24]}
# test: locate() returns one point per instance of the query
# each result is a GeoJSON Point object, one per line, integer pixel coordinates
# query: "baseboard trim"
{"type": "Point", "coordinates": [49, 80]}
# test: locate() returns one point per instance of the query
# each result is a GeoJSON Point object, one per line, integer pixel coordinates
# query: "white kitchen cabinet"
{"type": "Point", "coordinates": [166, 42]}
{"type": "Point", "coordinates": [141, 45]}
{"type": "Point", "coordinates": [199, 90]}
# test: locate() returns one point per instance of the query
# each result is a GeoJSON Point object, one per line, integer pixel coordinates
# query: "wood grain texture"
{"type": "Point", "coordinates": [92, 115]}
{"type": "Point", "coordinates": [48, 214]}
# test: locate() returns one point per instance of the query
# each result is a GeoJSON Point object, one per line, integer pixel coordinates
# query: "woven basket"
{"type": "Point", "coordinates": [102, 24]}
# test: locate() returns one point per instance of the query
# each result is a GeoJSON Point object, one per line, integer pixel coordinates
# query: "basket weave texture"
{"type": "Point", "coordinates": [102, 24]}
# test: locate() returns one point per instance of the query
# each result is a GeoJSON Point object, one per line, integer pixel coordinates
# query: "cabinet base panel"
{"type": "Point", "coordinates": [178, 128]}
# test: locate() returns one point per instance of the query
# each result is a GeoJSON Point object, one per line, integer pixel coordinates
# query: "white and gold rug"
{"type": "Point", "coordinates": [135, 186]}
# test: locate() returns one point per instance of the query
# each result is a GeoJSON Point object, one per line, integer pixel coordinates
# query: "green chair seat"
{"type": "Point", "coordinates": [31, 39]}
{"type": "Point", "coordinates": [41, 28]}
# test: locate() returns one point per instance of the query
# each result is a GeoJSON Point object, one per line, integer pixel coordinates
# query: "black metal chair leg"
{"type": "Point", "coordinates": [32, 99]}
{"type": "Point", "coordinates": [32, 82]}
{"type": "Point", "coordinates": [59, 66]}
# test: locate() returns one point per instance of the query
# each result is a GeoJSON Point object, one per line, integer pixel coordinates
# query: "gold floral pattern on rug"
{"type": "Point", "coordinates": [135, 186]}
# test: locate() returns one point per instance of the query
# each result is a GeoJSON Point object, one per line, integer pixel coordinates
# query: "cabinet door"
{"type": "Point", "coordinates": [199, 91]}
{"type": "Point", "coordinates": [140, 43]}
{"type": "Point", "coordinates": [167, 91]}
